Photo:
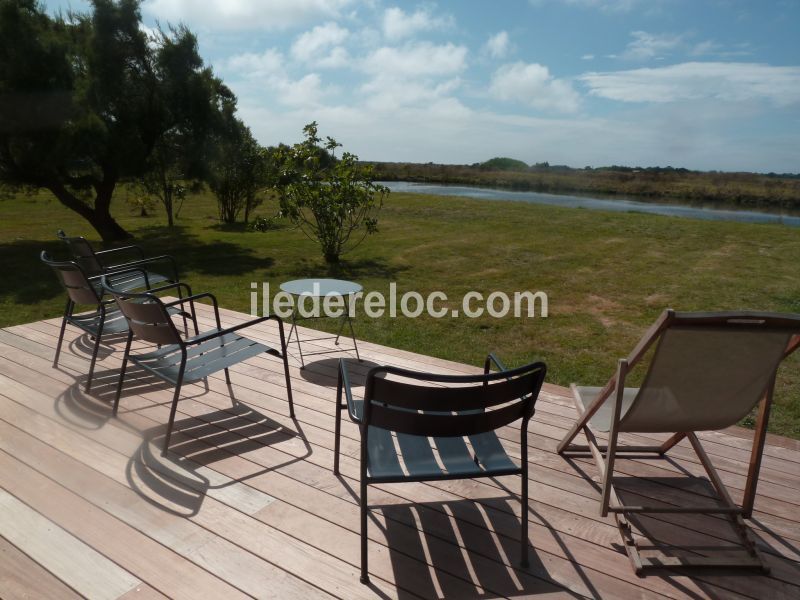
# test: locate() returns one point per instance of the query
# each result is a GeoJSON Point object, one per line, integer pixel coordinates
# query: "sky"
{"type": "Point", "coordinates": [701, 84]}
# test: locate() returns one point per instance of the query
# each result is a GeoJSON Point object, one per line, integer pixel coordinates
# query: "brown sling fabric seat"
{"type": "Point", "coordinates": [707, 372]}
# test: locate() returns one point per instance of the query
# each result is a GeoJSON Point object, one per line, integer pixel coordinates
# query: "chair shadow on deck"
{"type": "Point", "coordinates": [324, 372]}
{"type": "Point", "coordinates": [93, 410]}
{"type": "Point", "coordinates": [675, 533]}
{"type": "Point", "coordinates": [180, 482]}
{"type": "Point", "coordinates": [465, 554]}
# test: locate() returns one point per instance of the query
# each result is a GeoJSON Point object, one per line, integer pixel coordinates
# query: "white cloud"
{"type": "Point", "coordinates": [418, 59]}
{"type": "Point", "coordinates": [498, 45]}
{"type": "Point", "coordinates": [244, 14]}
{"type": "Point", "coordinates": [731, 82]}
{"type": "Point", "coordinates": [389, 95]}
{"type": "Point", "coordinates": [305, 92]}
{"type": "Point", "coordinates": [646, 46]}
{"type": "Point", "coordinates": [249, 64]}
{"type": "Point", "coordinates": [398, 24]}
{"type": "Point", "coordinates": [416, 74]}
{"type": "Point", "coordinates": [322, 46]}
{"type": "Point", "coordinates": [587, 57]}
{"type": "Point", "coordinates": [532, 84]}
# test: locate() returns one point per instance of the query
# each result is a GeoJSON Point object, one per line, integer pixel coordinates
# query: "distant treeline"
{"type": "Point", "coordinates": [747, 190]}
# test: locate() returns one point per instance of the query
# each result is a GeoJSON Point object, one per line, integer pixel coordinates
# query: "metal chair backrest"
{"type": "Point", "coordinates": [146, 314]}
{"type": "Point", "coordinates": [478, 403]}
{"type": "Point", "coordinates": [74, 279]}
{"type": "Point", "coordinates": [83, 253]}
{"type": "Point", "coordinates": [709, 370]}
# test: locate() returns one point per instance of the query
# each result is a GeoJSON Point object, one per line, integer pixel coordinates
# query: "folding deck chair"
{"type": "Point", "coordinates": [707, 372]}
{"type": "Point", "coordinates": [430, 416]}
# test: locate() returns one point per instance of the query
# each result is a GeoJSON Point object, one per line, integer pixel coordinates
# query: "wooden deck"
{"type": "Point", "coordinates": [247, 504]}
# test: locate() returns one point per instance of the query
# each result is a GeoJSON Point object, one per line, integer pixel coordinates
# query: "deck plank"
{"type": "Point", "coordinates": [244, 480]}
{"type": "Point", "coordinates": [67, 557]}
{"type": "Point", "coordinates": [22, 578]}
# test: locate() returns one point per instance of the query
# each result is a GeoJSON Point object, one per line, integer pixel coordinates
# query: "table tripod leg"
{"type": "Point", "coordinates": [297, 337]}
{"type": "Point", "coordinates": [353, 334]}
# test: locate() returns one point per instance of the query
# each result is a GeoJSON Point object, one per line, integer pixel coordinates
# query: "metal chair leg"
{"type": "Point", "coordinates": [67, 312]}
{"type": "Point", "coordinates": [174, 408]}
{"type": "Point", "coordinates": [525, 508]}
{"type": "Point", "coordinates": [122, 372]}
{"type": "Point", "coordinates": [364, 565]}
{"type": "Point", "coordinates": [286, 368]}
{"type": "Point", "coordinates": [96, 349]}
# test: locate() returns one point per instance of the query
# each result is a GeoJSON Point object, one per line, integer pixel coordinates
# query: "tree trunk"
{"type": "Point", "coordinates": [168, 202]}
{"type": "Point", "coordinates": [98, 216]}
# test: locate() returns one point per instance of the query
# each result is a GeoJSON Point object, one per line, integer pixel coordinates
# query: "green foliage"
{"type": "Point", "coordinates": [87, 99]}
{"type": "Point", "coordinates": [140, 202]}
{"type": "Point", "coordinates": [504, 164]}
{"type": "Point", "coordinates": [333, 201]}
{"type": "Point", "coordinates": [239, 171]}
{"type": "Point", "coordinates": [264, 224]}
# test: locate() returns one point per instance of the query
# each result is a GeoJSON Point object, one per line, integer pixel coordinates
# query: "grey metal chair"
{"type": "Point", "coordinates": [459, 422]}
{"type": "Point", "coordinates": [83, 290]}
{"type": "Point", "coordinates": [178, 360]}
{"type": "Point", "coordinates": [707, 372]}
{"type": "Point", "coordinates": [122, 274]}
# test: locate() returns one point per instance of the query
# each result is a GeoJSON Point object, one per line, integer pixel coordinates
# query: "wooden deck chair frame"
{"type": "Point", "coordinates": [605, 454]}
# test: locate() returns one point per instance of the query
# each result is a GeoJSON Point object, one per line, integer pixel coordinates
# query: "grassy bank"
{"type": "Point", "coordinates": [607, 275]}
{"type": "Point", "coordinates": [735, 190]}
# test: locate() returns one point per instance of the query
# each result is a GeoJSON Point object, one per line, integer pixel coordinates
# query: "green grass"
{"type": "Point", "coordinates": [607, 275]}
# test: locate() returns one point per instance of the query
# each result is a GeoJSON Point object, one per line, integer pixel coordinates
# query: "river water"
{"type": "Point", "coordinates": [616, 204]}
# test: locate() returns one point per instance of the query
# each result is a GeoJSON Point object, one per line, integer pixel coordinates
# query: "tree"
{"type": "Point", "coordinates": [85, 100]}
{"type": "Point", "coordinates": [237, 173]}
{"type": "Point", "coordinates": [196, 102]}
{"type": "Point", "coordinates": [333, 201]}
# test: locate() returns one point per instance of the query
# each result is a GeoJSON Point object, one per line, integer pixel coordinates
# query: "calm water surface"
{"type": "Point", "coordinates": [617, 205]}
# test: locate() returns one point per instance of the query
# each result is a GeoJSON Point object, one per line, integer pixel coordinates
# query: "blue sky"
{"type": "Point", "coordinates": [703, 84]}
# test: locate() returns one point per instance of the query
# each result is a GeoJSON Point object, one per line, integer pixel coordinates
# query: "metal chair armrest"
{"type": "Point", "coordinates": [130, 248]}
{"type": "Point", "coordinates": [344, 385]}
{"type": "Point", "coordinates": [213, 334]}
{"type": "Point", "coordinates": [146, 261]}
{"type": "Point", "coordinates": [493, 358]}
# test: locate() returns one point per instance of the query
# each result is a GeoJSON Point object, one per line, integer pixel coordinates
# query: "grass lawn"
{"type": "Point", "coordinates": [607, 275]}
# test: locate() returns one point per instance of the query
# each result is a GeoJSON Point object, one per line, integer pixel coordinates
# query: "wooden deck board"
{"type": "Point", "coordinates": [248, 504]}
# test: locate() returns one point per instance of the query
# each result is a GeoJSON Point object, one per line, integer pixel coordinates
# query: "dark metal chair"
{"type": "Point", "coordinates": [105, 262]}
{"type": "Point", "coordinates": [178, 360]}
{"type": "Point", "coordinates": [459, 422]}
{"type": "Point", "coordinates": [83, 290]}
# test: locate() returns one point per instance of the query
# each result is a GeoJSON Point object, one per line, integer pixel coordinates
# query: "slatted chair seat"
{"type": "Point", "coordinates": [90, 322]}
{"type": "Point", "coordinates": [412, 432]}
{"type": "Point", "coordinates": [180, 360]}
{"type": "Point", "coordinates": [456, 460]}
{"type": "Point", "coordinates": [203, 359]}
